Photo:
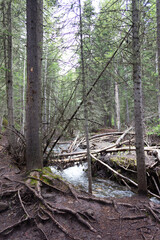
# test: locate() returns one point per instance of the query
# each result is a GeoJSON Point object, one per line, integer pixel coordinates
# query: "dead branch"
{"type": "Point", "coordinates": [155, 183]}
{"type": "Point", "coordinates": [122, 136]}
{"type": "Point", "coordinates": [112, 170]}
{"type": "Point", "coordinates": [153, 213]}
{"type": "Point", "coordinates": [153, 194]}
{"type": "Point", "coordinates": [71, 147]}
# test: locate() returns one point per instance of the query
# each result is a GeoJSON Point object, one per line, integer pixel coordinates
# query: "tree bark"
{"type": "Point", "coordinates": [158, 53]}
{"type": "Point", "coordinates": [23, 93]}
{"type": "Point", "coordinates": [33, 105]}
{"type": "Point", "coordinates": [85, 106]}
{"type": "Point", "coordinates": [141, 170]}
{"type": "Point", "coordinates": [7, 23]}
{"type": "Point", "coordinates": [117, 107]}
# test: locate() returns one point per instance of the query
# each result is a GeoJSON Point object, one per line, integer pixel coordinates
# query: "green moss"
{"type": "Point", "coordinates": [5, 122]}
{"type": "Point", "coordinates": [45, 174]}
{"type": "Point", "coordinates": [33, 182]}
{"type": "Point", "coordinates": [124, 161]}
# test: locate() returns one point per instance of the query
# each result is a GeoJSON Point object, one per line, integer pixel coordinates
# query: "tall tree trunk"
{"type": "Point", "coordinates": [117, 107]}
{"type": "Point", "coordinates": [33, 105]}
{"type": "Point", "coordinates": [45, 91]}
{"type": "Point", "coordinates": [23, 93]}
{"type": "Point", "coordinates": [7, 22]}
{"type": "Point", "coordinates": [127, 106]}
{"type": "Point", "coordinates": [158, 52]}
{"type": "Point", "coordinates": [85, 106]}
{"type": "Point", "coordinates": [141, 170]}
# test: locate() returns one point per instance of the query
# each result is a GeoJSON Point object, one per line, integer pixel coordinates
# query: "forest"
{"type": "Point", "coordinates": [84, 73]}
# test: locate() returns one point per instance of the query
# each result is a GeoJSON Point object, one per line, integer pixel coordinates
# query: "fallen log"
{"type": "Point", "coordinates": [105, 134]}
{"type": "Point", "coordinates": [68, 160]}
{"type": "Point", "coordinates": [107, 149]}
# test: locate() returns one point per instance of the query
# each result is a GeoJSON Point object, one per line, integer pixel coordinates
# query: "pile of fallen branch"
{"type": "Point", "coordinates": [121, 144]}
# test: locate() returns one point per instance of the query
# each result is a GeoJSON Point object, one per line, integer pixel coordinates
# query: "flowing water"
{"type": "Point", "coordinates": [77, 176]}
{"type": "Point", "coordinates": [101, 188]}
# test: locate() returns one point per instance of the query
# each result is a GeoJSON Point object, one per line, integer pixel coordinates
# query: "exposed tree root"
{"type": "Point", "coordinates": [130, 217]}
{"type": "Point", "coordinates": [63, 229]}
{"type": "Point", "coordinates": [40, 229]}
{"type": "Point", "coordinates": [10, 228]}
{"type": "Point", "coordinates": [152, 211]}
{"type": "Point", "coordinates": [19, 196]}
{"type": "Point", "coordinates": [49, 210]}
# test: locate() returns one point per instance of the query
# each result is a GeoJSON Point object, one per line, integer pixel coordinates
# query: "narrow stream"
{"type": "Point", "coordinates": [77, 176]}
{"type": "Point", "coordinates": [101, 188]}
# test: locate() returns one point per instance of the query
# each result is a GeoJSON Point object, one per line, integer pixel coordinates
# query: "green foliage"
{"type": "Point", "coordinates": [154, 130]}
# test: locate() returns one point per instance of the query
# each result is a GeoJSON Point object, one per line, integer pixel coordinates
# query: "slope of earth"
{"type": "Point", "coordinates": [46, 208]}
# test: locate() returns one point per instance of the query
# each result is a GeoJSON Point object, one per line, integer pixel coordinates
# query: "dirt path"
{"type": "Point", "coordinates": [54, 210]}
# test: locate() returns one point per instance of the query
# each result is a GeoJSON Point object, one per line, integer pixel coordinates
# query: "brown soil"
{"type": "Point", "coordinates": [58, 212]}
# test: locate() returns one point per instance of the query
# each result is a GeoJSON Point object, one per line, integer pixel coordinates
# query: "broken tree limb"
{"type": "Point", "coordinates": [123, 135]}
{"type": "Point", "coordinates": [155, 183]}
{"type": "Point", "coordinates": [72, 146]}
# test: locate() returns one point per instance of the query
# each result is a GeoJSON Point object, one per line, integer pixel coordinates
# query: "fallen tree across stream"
{"type": "Point", "coordinates": [119, 156]}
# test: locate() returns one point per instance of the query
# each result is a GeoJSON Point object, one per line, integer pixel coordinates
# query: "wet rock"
{"type": "Point", "coordinates": [3, 206]}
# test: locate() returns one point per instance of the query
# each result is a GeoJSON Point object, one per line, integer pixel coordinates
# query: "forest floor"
{"type": "Point", "coordinates": [54, 210]}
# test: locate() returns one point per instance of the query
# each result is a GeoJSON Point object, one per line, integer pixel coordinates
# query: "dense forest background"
{"type": "Point", "coordinates": [104, 25]}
